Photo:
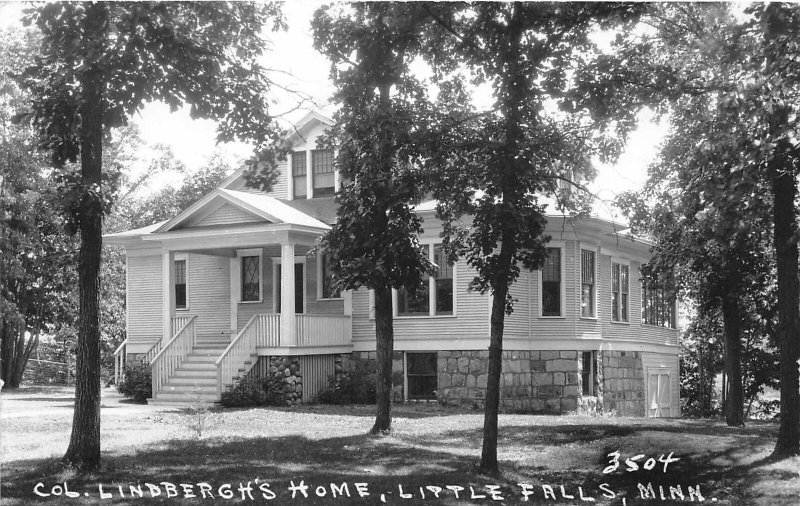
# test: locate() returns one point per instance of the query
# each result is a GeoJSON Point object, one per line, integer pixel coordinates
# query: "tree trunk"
{"type": "Point", "coordinates": [84, 445]}
{"type": "Point", "coordinates": [784, 188]}
{"type": "Point", "coordinates": [384, 335]}
{"type": "Point", "coordinates": [489, 462]}
{"type": "Point", "coordinates": [734, 406]}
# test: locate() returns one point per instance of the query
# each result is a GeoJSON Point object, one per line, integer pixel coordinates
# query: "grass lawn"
{"type": "Point", "coordinates": [432, 448]}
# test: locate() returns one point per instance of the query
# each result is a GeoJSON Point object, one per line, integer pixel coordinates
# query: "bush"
{"type": "Point", "coordinates": [136, 382]}
{"type": "Point", "coordinates": [354, 388]}
{"type": "Point", "coordinates": [253, 391]}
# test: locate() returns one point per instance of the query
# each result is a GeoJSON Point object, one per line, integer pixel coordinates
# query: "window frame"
{"type": "Point", "coordinates": [319, 152]}
{"type": "Point", "coordinates": [563, 270]}
{"type": "Point", "coordinates": [672, 324]}
{"type": "Point", "coordinates": [592, 373]}
{"type": "Point", "coordinates": [180, 257]}
{"type": "Point", "coordinates": [621, 263]}
{"type": "Point", "coordinates": [276, 265]}
{"type": "Point", "coordinates": [407, 376]}
{"type": "Point", "coordinates": [593, 298]}
{"type": "Point", "coordinates": [320, 278]}
{"type": "Point", "coordinates": [252, 252]}
{"type": "Point", "coordinates": [299, 155]}
{"type": "Point", "coordinates": [430, 245]}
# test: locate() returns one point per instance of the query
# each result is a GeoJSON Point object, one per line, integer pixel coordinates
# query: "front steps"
{"type": "Point", "coordinates": [195, 380]}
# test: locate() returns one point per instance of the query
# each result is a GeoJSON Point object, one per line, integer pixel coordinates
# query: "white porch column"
{"type": "Point", "coordinates": [309, 176]}
{"type": "Point", "coordinates": [236, 290]}
{"type": "Point", "coordinates": [288, 337]}
{"type": "Point", "coordinates": [289, 177]}
{"type": "Point", "coordinates": [168, 292]}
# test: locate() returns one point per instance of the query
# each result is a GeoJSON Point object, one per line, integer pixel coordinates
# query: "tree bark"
{"type": "Point", "coordinates": [384, 335]}
{"type": "Point", "coordinates": [734, 406]}
{"type": "Point", "coordinates": [84, 446]}
{"type": "Point", "coordinates": [784, 187]}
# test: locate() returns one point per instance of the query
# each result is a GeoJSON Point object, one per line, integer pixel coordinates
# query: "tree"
{"type": "Point", "coordinates": [518, 151]}
{"type": "Point", "coordinates": [101, 62]}
{"type": "Point", "coordinates": [379, 126]}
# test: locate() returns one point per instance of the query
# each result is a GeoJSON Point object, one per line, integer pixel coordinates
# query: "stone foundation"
{"type": "Point", "coordinates": [287, 378]}
{"type": "Point", "coordinates": [547, 382]}
{"type": "Point", "coordinates": [623, 382]}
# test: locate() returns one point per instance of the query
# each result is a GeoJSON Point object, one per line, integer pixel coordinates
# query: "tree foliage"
{"type": "Point", "coordinates": [98, 64]}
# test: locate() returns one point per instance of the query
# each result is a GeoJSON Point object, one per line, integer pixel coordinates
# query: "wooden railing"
{"type": "Point", "coordinates": [171, 356]}
{"type": "Point", "coordinates": [178, 322]}
{"type": "Point", "coordinates": [263, 330]}
{"type": "Point", "coordinates": [120, 358]}
{"type": "Point", "coordinates": [323, 330]}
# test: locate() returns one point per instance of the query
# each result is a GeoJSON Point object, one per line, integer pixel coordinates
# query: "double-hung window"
{"type": "Point", "coordinates": [620, 275]}
{"type": "Point", "coordinates": [180, 284]}
{"type": "Point", "coordinates": [587, 283]}
{"type": "Point", "coordinates": [322, 172]}
{"type": "Point", "coordinates": [299, 175]}
{"type": "Point", "coordinates": [658, 303]}
{"type": "Point", "coordinates": [326, 290]}
{"type": "Point", "coordinates": [551, 283]}
{"type": "Point", "coordinates": [435, 294]}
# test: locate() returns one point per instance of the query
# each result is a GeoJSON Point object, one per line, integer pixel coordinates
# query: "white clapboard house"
{"type": "Point", "coordinates": [229, 287]}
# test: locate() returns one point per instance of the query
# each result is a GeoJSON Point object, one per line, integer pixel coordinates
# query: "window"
{"type": "Point", "coordinates": [251, 278]}
{"type": "Point", "coordinates": [587, 283]}
{"type": "Point", "coordinates": [619, 292]}
{"type": "Point", "coordinates": [422, 376]}
{"type": "Point", "coordinates": [658, 302]}
{"type": "Point", "coordinates": [417, 301]}
{"type": "Point", "coordinates": [322, 171]}
{"type": "Point", "coordinates": [180, 284]}
{"type": "Point", "coordinates": [589, 373]}
{"type": "Point", "coordinates": [443, 281]}
{"type": "Point", "coordinates": [299, 174]}
{"type": "Point", "coordinates": [326, 280]}
{"type": "Point", "coordinates": [551, 283]}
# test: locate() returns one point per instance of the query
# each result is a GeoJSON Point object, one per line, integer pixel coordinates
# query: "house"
{"type": "Point", "coordinates": [229, 287]}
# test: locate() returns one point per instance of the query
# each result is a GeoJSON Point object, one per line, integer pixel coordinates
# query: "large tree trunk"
{"type": "Point", "coordinates": [384, 335]}
{"type": "Point", "coordinates": [84, 445]}
{"type": "Point", "coordinates": [784, 187]}
{"type": "Point", "coordinates": [732, 323]}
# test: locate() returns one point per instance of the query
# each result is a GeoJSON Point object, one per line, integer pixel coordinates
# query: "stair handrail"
{"type": "Point", "coordinates": [119, 361]}
{"type": "Point", "coordinates": [242, 347]}
{"type": "Point", "coordinates": [172, 354]}
{"type": "Point", "coordinates": [151, 353]}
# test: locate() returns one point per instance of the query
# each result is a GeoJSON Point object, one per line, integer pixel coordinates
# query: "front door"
{"type": "Point", "coordinates": [298, 289]}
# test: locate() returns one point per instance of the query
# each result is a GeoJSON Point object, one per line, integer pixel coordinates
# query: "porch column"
{"type": "Point", "coordinates": [168, 292]}
{"type": "Point", "coordinates": [236, 290]}
{"type": "Point", "coordinates": [288, 337]}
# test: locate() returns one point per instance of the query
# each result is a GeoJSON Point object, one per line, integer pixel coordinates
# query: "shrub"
{"type": "Point", "coordinates": [253, 391]}
{"type": "Point", "coordinates": [355, 388]}
{"type": "Point", "coordinates": [136, 382]}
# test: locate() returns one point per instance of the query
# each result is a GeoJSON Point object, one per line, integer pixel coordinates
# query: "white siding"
{"type": "Point", "coordinates": [278, 190]}
{"type": "Point", "coordinates": [144, 298]}
{"type": "Point", "coordinates": [226, 214]}
{"type": "Point", "coordinates": [209, 295]}
{"type": "Point", "coordinates": [661, 361]}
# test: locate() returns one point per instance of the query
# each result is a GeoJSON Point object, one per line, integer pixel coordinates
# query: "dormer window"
{"type": "Point", "coordinates": [299, 174]}
{"type": "Point", "coordinates": [322, 171]}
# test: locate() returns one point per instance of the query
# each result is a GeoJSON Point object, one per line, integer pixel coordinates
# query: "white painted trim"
{"type": "Point", "coordinates": [251, 252]}
{"type": "Point", "coordinates": [276, 263]}
{"type": "Point", "coordinates": [289, 177]}
{"type": "Point", "coordinates": [309, 174]}
{"type": "Point", "coordinates": [235, 290]}
{"type": "Point", "coordinates": [185, 258]}
{"type": "Point", "coordinates": [304, 350]}
{"type": "Point", "coordinates": [620, 262]}
{"type": "Point", "coordinates": [562, 245]}
{"type": "Point", "coordinates": [318, 260]}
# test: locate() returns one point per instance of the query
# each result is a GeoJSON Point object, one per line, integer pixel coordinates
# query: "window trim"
{"type": "Point", "coordinates": [319, 261]}
{"type": "Point", "coordinates": [595, 298]}
{"type": "Point", "coordinates": [300, 155]}
{"type": "Point", "coordinates": [252, 252]}
{"type": "Point", "coordinates": [563, 306]}
{"type": "Point", "coordinates": [592, 374]}
{"type": "Point", "coordinates": [626, 263]}
{"type": "Point", "coordinates": [429, 243]}
{"type": "Point", "coordinates": [180, 257]}
{"type": "Point", "coordinates": [406, 377]}
{"type": "Point", "coordinates": [313, 174]}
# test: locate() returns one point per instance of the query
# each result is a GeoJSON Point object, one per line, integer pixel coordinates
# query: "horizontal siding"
{"type": "Point", "coordinates": [144, 298]}
{"type": "Point", "coordinates": [226, 214]}
{"type": "Point", "coordinates": [557, 328]}
{"type": "Point", "coordinates": [209, 295]}
{"type": "Point", "coordinates": [278, 190]}
{"type": "Point", "coordinates": [313, 305]}
{"type": "Point", "coordinates": [246, 310]}
{"type": "Point", "coordinates": [658, 361]}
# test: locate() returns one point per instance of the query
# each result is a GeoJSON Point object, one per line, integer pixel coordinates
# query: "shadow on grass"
{"type": "Point", "coordinates": [410, 461]}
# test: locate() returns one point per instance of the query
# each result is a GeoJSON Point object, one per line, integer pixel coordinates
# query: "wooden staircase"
{"type": "Point", "coordinates": [195, 379]}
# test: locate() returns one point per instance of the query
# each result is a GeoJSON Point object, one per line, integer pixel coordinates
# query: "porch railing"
{"type": "Point", "coordinates": [261, 331]}
{"type": "Point", "coordinates": [120, 358]}
{"type": "Point", "coordinates": [323, 330]}
{"type": "Point", "coordinates": [178, 322]}
{"type": "Point", "coordinates": [173, 353]}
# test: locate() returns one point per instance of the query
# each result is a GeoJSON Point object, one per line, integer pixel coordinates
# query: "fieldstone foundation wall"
{"type": "Point", "coordinates": [623, 388]}
{"type": "Point", "coordinates": [288, 379]}
{"type": "Point", "coordinates": [366, 363]}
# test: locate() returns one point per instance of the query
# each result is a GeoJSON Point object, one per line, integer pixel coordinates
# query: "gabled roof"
{"type": "Point", "coordinates": [266, 209]}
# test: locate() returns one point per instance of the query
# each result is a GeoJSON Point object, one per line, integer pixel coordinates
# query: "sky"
{"type": "Point", "coordinates": [301, 67]}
